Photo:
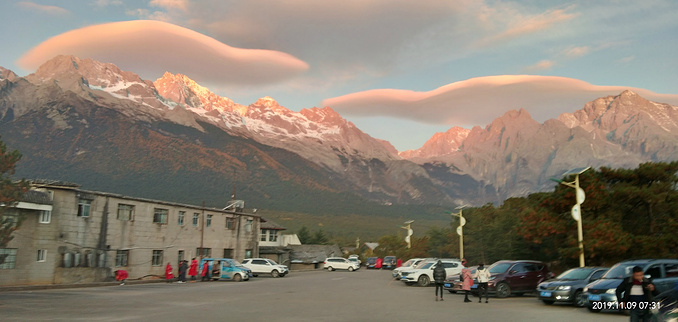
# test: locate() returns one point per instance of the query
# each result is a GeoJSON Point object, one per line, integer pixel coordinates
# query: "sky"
{"type": "Point", "coordinates": [400, 70]}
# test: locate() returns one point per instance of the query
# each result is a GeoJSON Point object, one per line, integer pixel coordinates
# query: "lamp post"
{"type": "Point", "coordinates": [576, 209]}
{"type": "Point", "coordinates": [460, 230]}
{"type": "Point", "coordinates": [408, 228]}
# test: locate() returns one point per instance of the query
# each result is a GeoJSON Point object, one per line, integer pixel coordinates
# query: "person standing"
{"type": "Point", "coordinates": [205, 274]}
{"type": "Point", "coordinates": [467, 279]}
{"type": "Point", "coordinates": [193, 271]}
{"type": "Point", "coordinates": [635, 293]}
{"type": "Point", "coordinates": [439, 276]}
{"type": "Point", "coordinates": [483, 276]}
{"type": "Point", "coordinates": [183, 267]}
{"type": "Point", "coordinates": [169, 276]}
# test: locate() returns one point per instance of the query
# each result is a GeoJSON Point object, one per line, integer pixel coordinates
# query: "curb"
{"type": "Point", "coordinates": [19, 288]}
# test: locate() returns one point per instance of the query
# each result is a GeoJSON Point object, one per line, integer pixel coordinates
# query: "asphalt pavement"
{"type": "Point", "coordinates": [301, 296]}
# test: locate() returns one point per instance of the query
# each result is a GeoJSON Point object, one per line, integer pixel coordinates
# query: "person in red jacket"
{"type": "Point", "coordinates": [121, 276]}
{"type": "Point", "coordinates": [205, 274]}
{"type": "Point", "coordinates": [399, 262]}
{"type": "Point", "coordinates": [379, 263]}
{"type": "Point", "coordinates": [193, 271]}
{"type": "Point", "coordinates": [169, 276]}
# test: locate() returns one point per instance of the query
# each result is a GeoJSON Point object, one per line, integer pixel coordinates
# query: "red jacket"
{"type": "Point", "coordinates": [205, 268]}
{"type": "Point", "coordinates": [168, 272]}
{"type": "Point", "coordinates": [193, 271]}
{"type": "Point", "coordinates": [121, 275]}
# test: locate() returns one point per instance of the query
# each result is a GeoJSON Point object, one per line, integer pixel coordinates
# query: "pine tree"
{"type": "Point", "coordinates": [304, 235]}
{"type": "Point", "coordinates": [10, 193]}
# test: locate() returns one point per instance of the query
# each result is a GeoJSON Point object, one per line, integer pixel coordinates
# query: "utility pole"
{"type": "Point", "coordinates": [408, 228]}
{"type": "Point", "coordinates": [460, 231]}
{"type": "Point", "coordinates": [576, 209]}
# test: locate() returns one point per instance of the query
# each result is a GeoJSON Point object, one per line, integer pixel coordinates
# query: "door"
{"type": "Point", "coordinates": [226, 270]}
{"type": "Point", "coordinates": [260, 266]}
{"type": "Point", "coordinates": [517, 277]}
{"type": "Point", "coordinates": [452, 268]}
{"type": "Point", "coordinates": [533, 276]}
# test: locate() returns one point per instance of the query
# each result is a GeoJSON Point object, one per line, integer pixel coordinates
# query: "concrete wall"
{"type": "Point", "coordinates": [68, 233]}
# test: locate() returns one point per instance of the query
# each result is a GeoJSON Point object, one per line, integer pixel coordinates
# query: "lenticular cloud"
{"type": "Point", "coordinates": [152, 47]}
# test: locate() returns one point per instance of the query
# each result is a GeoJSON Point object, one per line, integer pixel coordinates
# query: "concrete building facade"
{"type": "Point", "coordinates": [70, 235]}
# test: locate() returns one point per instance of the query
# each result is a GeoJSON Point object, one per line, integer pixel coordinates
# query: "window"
{"type": "Point", "coordinates": [180, 255]}
{"type": "Point", "coordinates": [450, 265]}
{"type": "Point", "coordinates": [208, 223]}
{"type": "Point", "coordinates": [273, 236]}
{"type": "Point", "coordinates": [125, 212]}
{"type": "Point", "coordinates": [160, 215]}
{"type": "Point", "coordinates": [42, 255]}
{"type": "Point", "coordinates": [156, 260]}
{"type": "Point", "coordinates": [597, 275]}
{"type": "Point", "coordinates": [84, 206]}
{"type": "Point", "coordinates": [180, 218]}
{"type": "Point", "coordinates": [671, 269]}
{"type": "Point", "coordinates": [228, 252]}
{"type": "Point", "coordinates": [9, 254]}
{"type": "Point", "coordinates": [45, 216]}
{"type": "Point", "coordinates": [655, 272]}
{"type": "Point", "coordinates": [230, 223]}
{"type": "Point", "coordinates": [206, 252]}
{"type": "Point", "coordinates": [264, 235]}
{"type": "Point", "coordinates": [121, 258]}
{"type": "Point", "coordinates": [259, 262]}
{"type": "Point", "coordinates": [195, 219]}
{"type": "Point", "coordinates": [520, 268]}
{"type": "Point", "coordinates": [248, 253]}
{"type": "Point", "coordinates": [248, 226]}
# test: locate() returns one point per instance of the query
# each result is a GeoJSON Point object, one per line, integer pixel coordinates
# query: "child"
{"type": "Point", "coordinates": [121, 276]}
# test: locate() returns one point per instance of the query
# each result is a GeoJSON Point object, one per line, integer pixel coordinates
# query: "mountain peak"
{"type": "Point", "coordinates": [184, 90]}
{"type": "Point", "coordinates": [266, 101]}
{"type": "Point", "coordinates": [7, 74]}
{"type": "Point", "coordinates": [441, 143]}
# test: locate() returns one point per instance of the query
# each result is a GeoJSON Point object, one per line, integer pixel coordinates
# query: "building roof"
{"type": "Point", "coordinates": [90, 194]}
{"type": "Point", "coordinates": [371, 246]}
{"type": "Point", "coordinates": [36, 197]}
{"type": "Point", "coordinates": [271, 225]}
{"type": "Point", "coordinates": [311, 254]}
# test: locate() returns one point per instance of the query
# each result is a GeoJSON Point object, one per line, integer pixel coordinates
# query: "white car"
{"type": "Point", "coordinates": [355, 259]}
{"type": "Point", "coordinates": [423, 275]}
{"type": "Point", "coordinates": [407, 266]}
{"type": "Point", "coordinates": [332, 263]}
{"type": "Point", "coordinates": [265, 266]}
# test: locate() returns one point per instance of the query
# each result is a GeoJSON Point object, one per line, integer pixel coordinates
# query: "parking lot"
{"type": "Point", "coordinates": [301, 296]}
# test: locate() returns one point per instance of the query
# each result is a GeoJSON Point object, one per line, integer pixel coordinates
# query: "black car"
{"type": "Point", "coordinates": [389, 262]}
{"type": "Point", "coordinates": [662, 272]}
{"type": "Point", "coordinates": [568, 287]}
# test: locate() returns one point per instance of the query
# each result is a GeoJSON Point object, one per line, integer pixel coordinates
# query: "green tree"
{"type": "Point", "coordinates": [304, 235]}
{"type": "Point", "coordinates": [319, 238]}
{"type": "Point", "coordinates": [10, 193]}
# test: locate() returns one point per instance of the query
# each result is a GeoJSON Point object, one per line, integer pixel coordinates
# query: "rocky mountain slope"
{"type": "Point", "coordinates": [518, 155]}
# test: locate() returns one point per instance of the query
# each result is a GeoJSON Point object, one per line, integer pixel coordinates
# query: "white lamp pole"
{"type": "Point", "coordinates": [576, 210]}
{"type": "Point", "coordinates": [408, 228]}
{"type": "Point", "coordinates": [460, 230]}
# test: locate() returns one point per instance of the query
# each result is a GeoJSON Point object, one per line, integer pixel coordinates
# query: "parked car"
{"type": "Point", "coordinates": [409, 265]}
{"type": "Point", "coordinates": [516, 277]}
{"type": "Point", "coordinates": [333, 263]}
{"type": "Point", "coordinates": [373, 262]}
{"type": "Point", "coordinates": [662, 272]}
{"type": "Point", "coordinates": [423, 275]}
{"type": "Point", "coordinates": [355, 259]}
{"type": "Point", "coordinates": [569, 286]}
{"type": "Point", "coordinates": [668, 305]}
{"type": "Point", "coordinates": [389, 262]}
{"type": "Point", "coordinates": [265, 266]}
{"type": "Point", "coordinates": [453, 283]}
{"type": "Point", "coordinates": [226, 268]}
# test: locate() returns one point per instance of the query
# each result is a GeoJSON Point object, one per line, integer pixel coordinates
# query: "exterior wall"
{"type": "Point", "coordinates": [81, 237]}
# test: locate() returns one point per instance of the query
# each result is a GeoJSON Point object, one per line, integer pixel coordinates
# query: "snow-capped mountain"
{"type": "Point", "coordinates": [442, 143]}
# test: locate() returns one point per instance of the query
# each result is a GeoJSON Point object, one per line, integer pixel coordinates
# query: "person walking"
{"type": "Point", "coordinates": [439, 276]}
{"type": "Point", "coordinates": [635, 292]}
{"type": "Point", "coordinates": [193, 271]}
{"type": "Point", "coordinates": [121, 276]}
{"type": "Point", "coordinates": [483, 276]}
{"type": "Point", "coordinates": [169, 276]}
{"type": "Point", "coordinates": [467, 279]}
{"type": "Point", "coordinates": [205, 274]}
{"type": "Point", "coordinates": [183, 267]}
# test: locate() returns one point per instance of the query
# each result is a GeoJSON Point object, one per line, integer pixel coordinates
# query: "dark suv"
{"type": "Point", "coordinates": [516, 277]}
{"type": "Point", "coordinates": [662, 272]}
{"type": "Point", "coordinates": [389, 262]}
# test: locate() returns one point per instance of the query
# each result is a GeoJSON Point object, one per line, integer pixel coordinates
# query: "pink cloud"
{"type": "Point", "coordinates": [170, 4]}
{"type": "Point", "coordinates": [541, 65]}
{"type": "Point", "coordinates": [477, 101]}
{"type": "Point", "coordinates": [52, 10]}
{"type": "Point", "coordinates": [152, 47]}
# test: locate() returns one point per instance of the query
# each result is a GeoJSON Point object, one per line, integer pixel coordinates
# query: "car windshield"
{"type": "Point", "coordinates": [408, 263]}
{"type": "Point", "coordinates": [497, 268]}
{"type": "Point", "coordinates": [236, 263]}
{"type": "Point", "coordinates": [575, 274]}
{"type": "Point", "coordinates": [372, 260]}
{"type": "Point", "coordinates": [272, 262]}
{"type": "Point", "coordinates": [621, 270]}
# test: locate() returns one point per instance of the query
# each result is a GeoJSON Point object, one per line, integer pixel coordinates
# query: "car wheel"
{"type": "Point", "coordinates": [275, 273]}
{"type": "Point", "coordinates": [330, 268]}
{"type": "Point", "coordinates": [548, 302]}
{"type": "Point", "coordinates": [255, 275]}
{"type": "Point", "coordinates": [594, 310]}
{"type": "Point", "coordinates": [503, 290]}
{"type": "Point", "coordinates": [409, 283]}
{"type": "Point", "coordinates": [237, 278]}
{"type": "Point", "coordinates": [424, 280]}
{"type": "Point", "coordinates": [350, 269]}
{"type": "Point", "coordinates": [451, 291]}
{"type": "Point", "coordinates": [579, 299]}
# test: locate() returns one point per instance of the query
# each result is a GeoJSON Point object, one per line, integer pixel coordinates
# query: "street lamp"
{"type": "Point", "coordinates": [408, 228]}
{"type": "Point", "coordinates": [576, 210]}
{"type": "Point", "coordinates": [460, 230]}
